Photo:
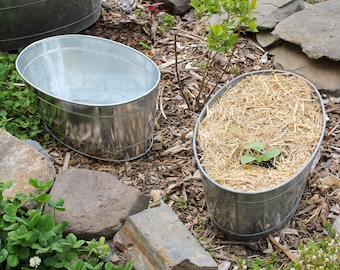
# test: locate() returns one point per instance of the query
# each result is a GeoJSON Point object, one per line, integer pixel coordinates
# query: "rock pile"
{"type": "Point", "coordinates": [304, 39]}
{"type": "Point", "coordinates": [98, 204]}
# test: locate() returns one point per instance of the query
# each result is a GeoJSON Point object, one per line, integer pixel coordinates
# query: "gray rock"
{"type": "Point", "coordinates": [266, 39]}
{"type": "Point", "coordinates": [178, 7]}
{"type": "Point", "coordinates": [96, 203]}
{"type": "Point", "coordinates": [323, 73]}
{"type": "Point", "coordinates": [20, 162]}
{"type": "Point", "coordinates": [315, 29]}
{"type": "Point", "coordinates": [157, 239]}
{"type": "Point", "coordinates": [270, 12]}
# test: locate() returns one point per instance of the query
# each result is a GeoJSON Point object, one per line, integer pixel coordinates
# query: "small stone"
{"type": "Point", "coordinates": [266, 39]}
{"type": "Point", "coordinates": [157, 239]}
{"type": "Point", "coordinates": [96, 203]}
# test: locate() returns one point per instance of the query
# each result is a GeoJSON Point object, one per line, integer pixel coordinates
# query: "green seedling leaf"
{"type": "Point", "coordinates": [247, 158]}
{"type": "Point", "coordinates": [40, 185]}
{"type": "Point", "coordinates": [256, 146]}
{"type": "Point", "coordinates": [268, 155]}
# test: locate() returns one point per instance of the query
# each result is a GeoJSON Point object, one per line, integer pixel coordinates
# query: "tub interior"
{"type": "Point", "coordinates": [91, 77]}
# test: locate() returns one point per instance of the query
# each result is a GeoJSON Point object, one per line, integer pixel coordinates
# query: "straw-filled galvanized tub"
{"type": "Point", "coordinates": [95, 95]}
{"type": "Point", "coordinates": [25, 21]}
{"type": "Point", "coordinates": [251, 215]}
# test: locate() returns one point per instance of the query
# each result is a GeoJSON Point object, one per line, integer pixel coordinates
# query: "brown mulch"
{"type": "Point", "coordinates": [168, 171]}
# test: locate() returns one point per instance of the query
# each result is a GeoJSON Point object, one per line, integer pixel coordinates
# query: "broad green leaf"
{"type": "Point", "coordinates": [46, 223]}
{"type": "Point", "coordinates": [32, 236]}
{"type": "Point", "coordinates": [56, 204]}
{"type": "Point", "coordinates": [256, 146]}
{"type": "Point", "coordinates": [34, 220]}
{"type": "Point", "coordinates": [3, 255]}
{"type": "Point", "coordinates": [71, 238]}
{"type": "Point", "coordinates": [268, 155]}
{"type": "Point", "coordinates": [247, 158]}
{"type": "Point", "coordinates": [24, 253]}
{"type": "Point", "coordinates": [252, 4]}
{"type": "Point", "coordinates": [78, 265]}
{"type": "Point", "coordinates": [40, 185]}
{"type": "Point", "coordinates": [11, 210]}
{"type": "Point", "coordinates": [59, 228]}
{"type": "Point", "coordinates": [216, 29]}
{"type": "Point", "coordinates": [13, 260]}
{"type": "Point", "coordinates": [78, 244]}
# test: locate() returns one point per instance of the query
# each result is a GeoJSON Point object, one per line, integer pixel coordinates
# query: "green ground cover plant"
{"type": "Point", "coordinates": [30, 239]}
{"type": "Point", "coordinates": [320, 253]}
{"type": "Point", "coordinates": [18, 114]}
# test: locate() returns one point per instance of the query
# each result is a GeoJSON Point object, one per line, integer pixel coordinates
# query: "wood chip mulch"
{"type": "Point", "coordinates": [168, 171]}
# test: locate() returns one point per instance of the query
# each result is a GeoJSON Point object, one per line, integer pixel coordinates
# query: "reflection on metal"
{"type": "Point", "coordinates": [96, 96]}
{"type": "Point", "coordinates": [25, 21]}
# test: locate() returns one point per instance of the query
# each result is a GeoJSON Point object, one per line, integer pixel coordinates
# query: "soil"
{"type": "Point", "coordinates": [168, 171]}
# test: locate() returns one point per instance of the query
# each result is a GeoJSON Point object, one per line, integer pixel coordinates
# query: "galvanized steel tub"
{"type": "Point", "coordinates": [250, 216]}
{"type": "Point", "coordinates": [25, 21]}
{"type": "Point", "coordinates": [94, 95]}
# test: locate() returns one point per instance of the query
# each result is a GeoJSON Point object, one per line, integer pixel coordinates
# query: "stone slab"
{"type": "Point", "coordinates": [96, 203]}
{"type": "Point", "coordinates": [156, 239]}
{"type": "Point", "coordinates": [323, 73]}
{"type": "Point", "coordinates": [270, 12]}
{"type": "Point", "coordinates": [315, 30]}
{"type": "Point", "coordinates": [20, 162]}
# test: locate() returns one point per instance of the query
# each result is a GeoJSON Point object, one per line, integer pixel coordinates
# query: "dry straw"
{"type": "Point", "coordinates": [275, 108]}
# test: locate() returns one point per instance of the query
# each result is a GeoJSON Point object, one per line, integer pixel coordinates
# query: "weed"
{"type": "Point", "coordinates": [30, 238]}
{"type": "Point", "coordinates": [18, 113]}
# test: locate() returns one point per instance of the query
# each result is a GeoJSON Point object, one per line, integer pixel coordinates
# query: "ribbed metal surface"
{"type": "Point", "coordinates": [249, 216]}
{"type": "Point", "coordinates": [95, 95]}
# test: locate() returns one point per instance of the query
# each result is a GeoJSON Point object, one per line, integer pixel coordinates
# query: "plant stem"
{"type": "Point", "coordinates": [177, 73]}
{"type": "Point", "coordinates": [224, 71]}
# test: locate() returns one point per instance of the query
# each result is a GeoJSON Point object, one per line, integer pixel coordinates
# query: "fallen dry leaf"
{"type": "Point", "coordinates": [328, 182]}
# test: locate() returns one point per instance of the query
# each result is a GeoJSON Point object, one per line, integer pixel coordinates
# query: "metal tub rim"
{"type": "Point", "coordinates": [89, 38]}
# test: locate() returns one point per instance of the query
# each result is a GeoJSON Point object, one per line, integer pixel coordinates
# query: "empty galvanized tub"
{"type": "Point", "coordinates": [250, 216]}
{"type": "Point", "coordinates": [25, 21]}
{"type": "Point", "coordinates": [95, 95]}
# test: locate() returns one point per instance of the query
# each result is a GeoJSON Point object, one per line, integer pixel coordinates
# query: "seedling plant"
{"type": "Point", "coordinates": [258, 154]}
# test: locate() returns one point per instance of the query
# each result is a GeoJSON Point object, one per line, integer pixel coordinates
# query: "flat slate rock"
{"type": "Point", "coordinates": [314, 29]}
{"type": "Point", "coordinates": [20, 162]}
{"type": "Point", "coordinates": [96, 203]}
{"type": "Point", "coordinates": [323, 73]}
{"type": "Point", "coordinates": [156, 239]}
{"type": "Point", "coordinates": [270, 12]}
